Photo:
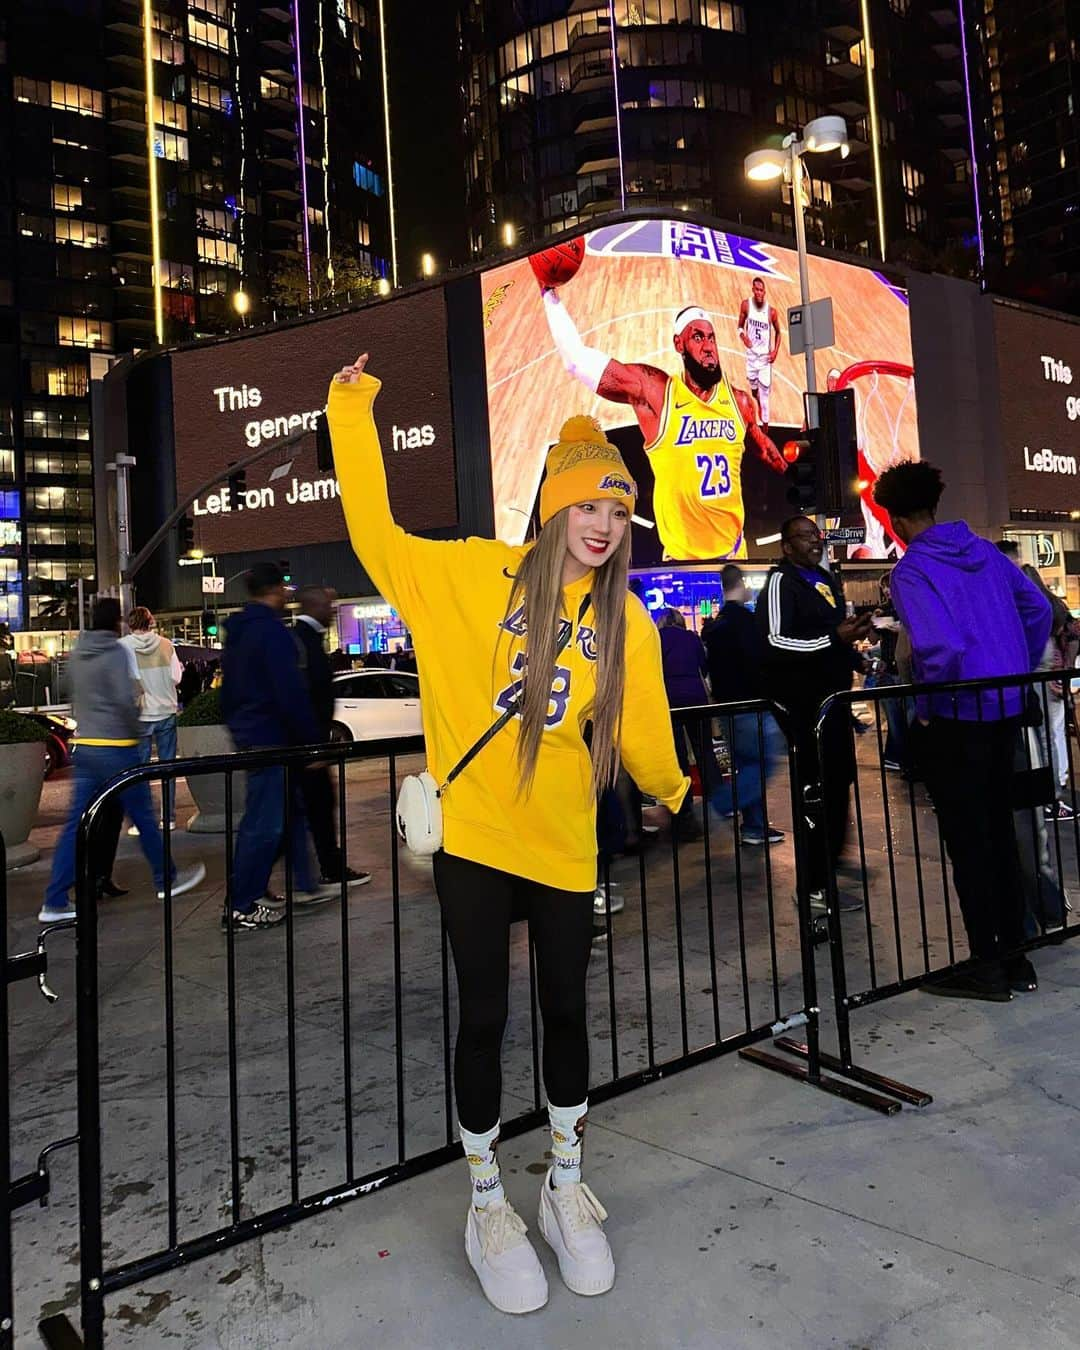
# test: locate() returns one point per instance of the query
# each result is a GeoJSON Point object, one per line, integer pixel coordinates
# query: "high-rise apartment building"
{"type": "Point", "coordinates": [168, 169]}
{"type": "Point", "coordinates": [576, 107]}
{"type": "Point", "coordinates": [1025, 65]}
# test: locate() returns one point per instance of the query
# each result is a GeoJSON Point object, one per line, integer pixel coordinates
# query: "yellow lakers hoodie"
{"type": "Point", "coordinates": [453, 595]}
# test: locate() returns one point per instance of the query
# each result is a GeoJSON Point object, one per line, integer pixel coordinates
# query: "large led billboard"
{"type": "Point", "coordinates": [229, 398]}
{"type": "Point", "coordinates": [675, 337]}
{"type": "Point", "coordinates": [1039, 364]}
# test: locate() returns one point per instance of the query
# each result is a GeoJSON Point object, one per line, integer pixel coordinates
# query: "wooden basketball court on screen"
{"type": "Point", "coordinates": [625, 307]}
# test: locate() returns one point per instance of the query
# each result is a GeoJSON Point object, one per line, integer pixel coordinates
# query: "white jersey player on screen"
{"type": "Point", "coordinates": [759, 330]}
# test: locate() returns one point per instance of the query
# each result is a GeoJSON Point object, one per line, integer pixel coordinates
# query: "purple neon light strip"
{"type": "Point", "coordinates": [618, 109]}
{"type": "Point", "coordinates": [303, 147]}
{"type": "Point", "coordinates": [971, 133]}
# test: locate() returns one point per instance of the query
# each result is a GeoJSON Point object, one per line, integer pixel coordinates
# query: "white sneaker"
{"type": "Point", "coordinates": [570, 1219]}
{"type": "Point", "coordinates": [186, 880]}
{"type": "Point", "coordinates": [600, 901]}
{"type": "Point", "coordinates": [60, 915]}
{"type": "Point", "coordinates": [505, 1262]}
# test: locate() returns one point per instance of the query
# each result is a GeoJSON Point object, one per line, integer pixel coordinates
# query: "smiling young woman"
{"type": "Point", "coordinates": [520, 823]}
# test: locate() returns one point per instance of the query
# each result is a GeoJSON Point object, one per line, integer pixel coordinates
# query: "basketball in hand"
{"type": "Point", "coordinates": [555, 266]}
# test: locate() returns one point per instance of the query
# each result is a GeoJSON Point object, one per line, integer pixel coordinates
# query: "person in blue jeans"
{"type": "Point", "coordinates": [266, 704]}
{"type": "Point", "coordinates": [734, 647]}
{"type": "Point", "coordinates": [105, 704]}
{"type": "Point", "coordinates": [160, 672]}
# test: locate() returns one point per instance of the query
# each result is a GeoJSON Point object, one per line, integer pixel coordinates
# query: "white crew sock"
{"type": "Point", "coordinates": [480, 1154]}
{"type": "Point", "coordinates": [567, 1131]}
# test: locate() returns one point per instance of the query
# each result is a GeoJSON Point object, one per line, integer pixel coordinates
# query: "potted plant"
{"type": "Point", "coordinates": [22, 772]}
{"type": "Point", "coordinates": [201, 730]}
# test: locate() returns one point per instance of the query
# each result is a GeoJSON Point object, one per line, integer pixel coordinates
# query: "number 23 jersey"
{"type": "Point", "coordinates": [696, 460]}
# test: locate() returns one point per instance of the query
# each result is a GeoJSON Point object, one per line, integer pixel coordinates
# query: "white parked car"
{"type": "Point", "coordinates": [372, 704]}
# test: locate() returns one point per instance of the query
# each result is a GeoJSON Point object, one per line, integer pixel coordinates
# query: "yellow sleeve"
{"type": "Point", "coordinates": [401, 565]}
{"type": "Point", "coordinates": [648, 745]}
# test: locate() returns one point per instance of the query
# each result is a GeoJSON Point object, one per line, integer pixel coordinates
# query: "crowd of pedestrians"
{"type": "Point", "coordinates": [276, 687]}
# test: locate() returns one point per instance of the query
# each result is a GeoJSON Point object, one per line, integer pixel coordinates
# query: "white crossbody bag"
{"type": "Point", "coordinates": [419, 805]}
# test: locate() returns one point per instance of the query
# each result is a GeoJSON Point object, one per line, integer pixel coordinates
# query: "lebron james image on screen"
{"type": "Point", "coordinates": [696, 429]}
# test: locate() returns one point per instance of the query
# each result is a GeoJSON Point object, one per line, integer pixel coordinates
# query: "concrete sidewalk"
{"type": "Point", "coordinates": [746, 1210]}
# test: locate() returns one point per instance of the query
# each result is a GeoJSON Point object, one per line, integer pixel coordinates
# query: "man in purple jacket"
{"type": "Point", "coordinates": [971, 615]}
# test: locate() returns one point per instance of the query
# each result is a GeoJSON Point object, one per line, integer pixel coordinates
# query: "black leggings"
{"type": "Point", "coordinates": [478, 905]}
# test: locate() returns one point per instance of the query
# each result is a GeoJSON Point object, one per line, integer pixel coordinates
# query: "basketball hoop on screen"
{"type": "Point", "coordinates": [887, 434]}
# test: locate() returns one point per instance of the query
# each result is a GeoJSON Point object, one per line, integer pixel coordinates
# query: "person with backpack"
{"type": "Point", "coordinates": [549, 634]}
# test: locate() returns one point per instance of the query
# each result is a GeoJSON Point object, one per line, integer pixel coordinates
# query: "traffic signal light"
{"type": "Point", "coordinates": [237, 488]}
{"type": "Point", "coordinates": [802, 476]}
{"type": "Point", "coordinates": [185, 530]}
{"type": "Point", "coordinates": [286, 571]}
{"type": "Point", "coordinates": [209, 623]}
{"type": "Point", "coordinates": [833, 414]}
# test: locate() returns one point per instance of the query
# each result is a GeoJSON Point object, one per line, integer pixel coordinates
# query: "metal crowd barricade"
{"type": "Point", "coordinates": [910, 930]}
{"type": "Point", "coordinates": [341, 1031]}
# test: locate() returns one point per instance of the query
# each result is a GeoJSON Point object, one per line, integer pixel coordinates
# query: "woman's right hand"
{"type": "Point", "coordinates": [350, 374]}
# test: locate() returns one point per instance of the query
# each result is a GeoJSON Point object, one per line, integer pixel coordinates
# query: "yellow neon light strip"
{"type": "Point", "coordinates": [875, 138]}
{"type": "Point", "coordinates": [151, 159]}
{"type": "Point", "coordinates": [386, 121]}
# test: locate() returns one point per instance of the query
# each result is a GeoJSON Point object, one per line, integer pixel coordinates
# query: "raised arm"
{"type": "Point", "coordinates": [637, 384]}
{"type": "Point", "coordinates": [764, 445]}
{"type": "Point", "coordinates": [401, 565]}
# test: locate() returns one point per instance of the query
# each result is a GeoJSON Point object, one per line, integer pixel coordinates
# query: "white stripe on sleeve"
{"type": "Point", "coordinates": [776, 637]}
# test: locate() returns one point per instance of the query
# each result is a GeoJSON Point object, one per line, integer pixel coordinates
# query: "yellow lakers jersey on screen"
{"type": "Point", "coordinates": [696, 461]}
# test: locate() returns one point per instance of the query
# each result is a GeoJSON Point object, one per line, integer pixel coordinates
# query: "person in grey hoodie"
{"type": "Point", "coordinates": [105, 704]}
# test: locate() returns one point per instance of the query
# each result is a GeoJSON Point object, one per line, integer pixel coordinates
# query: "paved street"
{"type": "Point", "coordinates": [746, 1210]}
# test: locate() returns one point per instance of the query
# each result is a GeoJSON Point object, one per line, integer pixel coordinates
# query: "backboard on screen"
{"type": "Point", "coordinates": [633, 280]}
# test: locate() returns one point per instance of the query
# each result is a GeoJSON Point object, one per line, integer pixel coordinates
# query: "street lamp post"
{"type": "Point", "coordinates": [764, 166]}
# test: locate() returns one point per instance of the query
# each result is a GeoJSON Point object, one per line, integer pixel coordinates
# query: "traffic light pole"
{"type": "Point", "coordinates": [122, 466]}
{"type": "Point", "coordinates": [130, 567]}
{"type": "Point", "coordinates": [795, 149]}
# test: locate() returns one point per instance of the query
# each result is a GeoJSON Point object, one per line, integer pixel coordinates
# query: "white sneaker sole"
{"type": "Point", "coordinates": [588, 1281]}
{"type": "Point", "coordinates": [185, 882]}
{"type": "Point", "coordinates": [516, 1297]}
{"type": "Point", "coordinates": [59, 915]}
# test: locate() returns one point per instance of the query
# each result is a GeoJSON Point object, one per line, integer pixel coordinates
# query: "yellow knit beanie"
{"type": "Point", "coordinates": [582, 466]}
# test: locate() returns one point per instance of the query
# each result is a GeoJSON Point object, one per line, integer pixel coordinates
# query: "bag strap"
{"type": "Point", "coordinates": [514, 708]}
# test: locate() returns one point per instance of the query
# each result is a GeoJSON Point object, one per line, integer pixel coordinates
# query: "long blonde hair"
{"type": "Point", "coordinates": [538, 586]}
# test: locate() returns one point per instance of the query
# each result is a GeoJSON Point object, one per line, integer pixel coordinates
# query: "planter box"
{"type": "Point", "coordinates": [22, 772]}
{"type": "Point", "coordinates": [208, 790]}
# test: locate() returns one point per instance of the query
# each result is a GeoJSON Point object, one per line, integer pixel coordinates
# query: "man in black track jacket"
{"type": "Point", "coordinates": [810, 654]}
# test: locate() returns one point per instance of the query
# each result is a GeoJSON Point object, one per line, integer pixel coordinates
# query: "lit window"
{"type": "Point", "coordinates": [82, 233]}
{"type": "Point", "coordinates": [167, 145]}
{"type": "Point", "coordinates": [62, 381]}
{"type": "Point", "coordinates": [170, 114]}
{"type": "Point", "coordinates": [221, 252]}
{"type": "Point", "coordinates": [32, 91]}
{"type": "Point", "coordinates": [77, 98]}
{"type": "Point", "coordinates": [55, 422]}
{"type": "Point", "coordinates": [74, 331]}
{"type": "Point", "coordinates": [65, 197]}
{"type": "Point", "coordinates": [367, 179]}
{"type": "Point", "coordinates": [209, 34]}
